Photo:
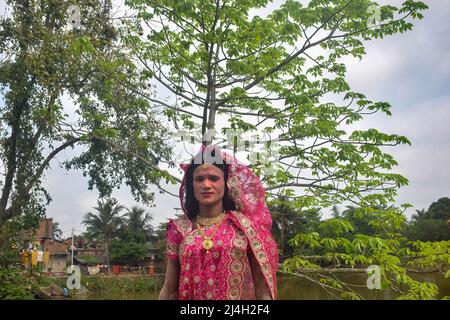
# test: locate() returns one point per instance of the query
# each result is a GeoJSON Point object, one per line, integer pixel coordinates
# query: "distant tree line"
{"type": "Point", "coordinates": [125, 233]}
{"type": "Point", "coordinates": [426, 225]}
{"type": "Point", "coordinates": [432, 224]}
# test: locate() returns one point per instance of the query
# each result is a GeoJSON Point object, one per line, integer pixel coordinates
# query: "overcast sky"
{"type": "Point", "coordinates": [411, 71]}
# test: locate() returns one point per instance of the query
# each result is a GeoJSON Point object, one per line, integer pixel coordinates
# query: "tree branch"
{"type": "Point", "coordinates": [47, 161]}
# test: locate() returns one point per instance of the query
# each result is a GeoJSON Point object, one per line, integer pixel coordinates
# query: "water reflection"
{"type": "Point", "coordinates": [295, 288]}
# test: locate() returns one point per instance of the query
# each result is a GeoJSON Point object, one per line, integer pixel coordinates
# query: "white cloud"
{"type": "Point", "coordinates": [407, 67]}
{"type": "Point", "coordinates": [426, 163]}
{"type": "Point", "coordinates": [412, 72]}
{"type": "Point", "coordinates": [72, 199]}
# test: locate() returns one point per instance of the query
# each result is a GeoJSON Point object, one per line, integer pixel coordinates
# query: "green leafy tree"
{"type": "Point", "coordinates": [439, 210]}
{"type": "Point", "coordinates": [361, 220]}
{"type": "Point", "coordinates": [160, 236]}
{"type": "Point", "coordinates": [428, 230]}
{"type": "Point", "coordinates": [42, 62]}
{"type": "Point", "coordinates": [431, 225]}
{"type": "Point", "coordinates": [105, 223]}
{"type": "Point", "coordinates": [258, 72]}
{"type": "Point", "coordinates": [130, 253]}
{"type": "Point", "coordinates": [134, 237]}
{"type": "Point", "coordinates": [287, 223]}
{"type": "Point", "coordinates": [14, 282]}
{"type": "Point", "coordinates": [90, 260]}
{"type": "Point", "coordinates": [281, 72]}
{"type": "Point", "coordinates": [160, 240]}
{"type": "Point", "coordinates": [341, 248]}
{"type": "Point", "coordinates": [137, 226]}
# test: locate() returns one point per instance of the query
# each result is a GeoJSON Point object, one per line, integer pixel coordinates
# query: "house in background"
{"type": "Point", "coordinates": [59, 252]}
{"type": "Point", "coordinates": [153, 259]}
{"type": "Point", "coordinates": [55, 250]}
{"type": "Point", "coordinates": [58, 256]}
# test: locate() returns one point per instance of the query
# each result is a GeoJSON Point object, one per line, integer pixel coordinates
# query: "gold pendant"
{"type": "Point", "coordinates": [207, 244]}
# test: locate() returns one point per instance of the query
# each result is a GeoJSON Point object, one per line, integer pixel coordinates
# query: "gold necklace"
{"type": "Point", "coordinates": [207, 242]}
{"type": "Point", "coordinates": [209, 221]}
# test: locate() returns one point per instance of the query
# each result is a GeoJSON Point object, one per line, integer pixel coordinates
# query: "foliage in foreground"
{"type": "Point", "coordinates": [338, 245]}
{"type": "Point", "coordinates": [16, 283]}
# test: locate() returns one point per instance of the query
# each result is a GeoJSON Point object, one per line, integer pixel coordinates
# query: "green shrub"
{"type": "Point", "coordinates": [14, 285]}
{"type": "Point", "coordinates": [91, 260]}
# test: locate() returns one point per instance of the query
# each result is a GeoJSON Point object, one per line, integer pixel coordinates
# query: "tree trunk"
{"type": "Point", "coordinates": [14, 208]}
{"type": "Point", "coordinates": [107, 255]}
{"type": "Point", "coordinates": [282, 237]}
{"type": "Point", "coordinates": [11, 162]}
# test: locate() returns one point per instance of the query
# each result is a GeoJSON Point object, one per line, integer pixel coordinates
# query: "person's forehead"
{"type": "Point", "coordinates": [211, 170]}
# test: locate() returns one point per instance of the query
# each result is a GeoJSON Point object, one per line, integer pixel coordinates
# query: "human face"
{"type": "Point", "coordinates": [209, 185]}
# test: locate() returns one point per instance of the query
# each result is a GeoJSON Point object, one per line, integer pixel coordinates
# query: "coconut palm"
{"type": "Point", "coordinates": [56, 231]}
{"type": "Point", "coordinates": [138, 224]}
{"type": "Point", "coordinates": [336, 213]}
{"type": "Point", "coordinates": [420, 214]}
{"type": "Point", "coordinates": [105, 224]}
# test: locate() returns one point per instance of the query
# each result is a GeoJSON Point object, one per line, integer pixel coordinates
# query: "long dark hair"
{"type": "Point", "coordinates": [191, 203]}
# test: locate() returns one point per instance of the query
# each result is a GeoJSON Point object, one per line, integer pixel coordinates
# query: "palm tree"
{"type": "Point", "coordinates": [138, 225]}
{"type": "Point", "coordinates": [56, 231]}
{"type": "Point", "coordinates": [420, 214]}
{"type": "Point", "coordinates": [105, 223]}
{"type": "Point", "coordinates": [336, 212]}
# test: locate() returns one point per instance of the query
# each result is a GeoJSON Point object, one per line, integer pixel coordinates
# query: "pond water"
{"type": "Point", "coordinates": [295, 288]}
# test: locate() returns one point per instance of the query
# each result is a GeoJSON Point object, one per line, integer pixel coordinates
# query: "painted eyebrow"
{"type": "Point", "coordinates": [209, 176]}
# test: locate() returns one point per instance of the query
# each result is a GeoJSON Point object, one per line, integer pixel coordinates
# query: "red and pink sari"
{"type": "Point", "coordinates": [224, 273]}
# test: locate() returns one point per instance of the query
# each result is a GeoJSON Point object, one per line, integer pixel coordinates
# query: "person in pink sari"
{"type": "Point", "coordinates": [223, 248]}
